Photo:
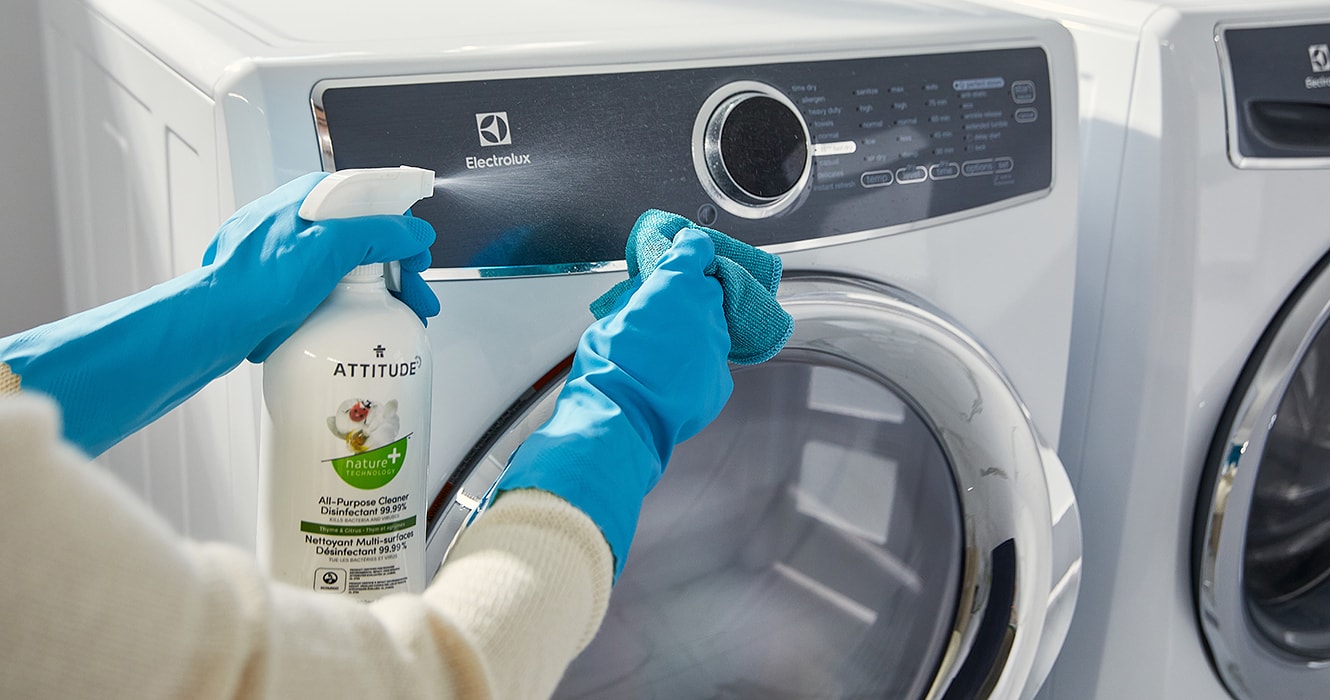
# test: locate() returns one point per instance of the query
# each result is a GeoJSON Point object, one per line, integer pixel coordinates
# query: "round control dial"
{"type": "Point", "coordinates": [754, 151]}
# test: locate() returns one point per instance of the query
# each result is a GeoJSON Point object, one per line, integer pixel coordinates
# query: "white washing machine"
{"type": "Point", "coordinates": [880, 511]}
{"type": "Point", "coordinates": [1195, 413]}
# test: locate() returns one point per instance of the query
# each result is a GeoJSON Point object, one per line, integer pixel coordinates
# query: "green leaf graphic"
{"type": "Point", "coordinates": [373, 469]}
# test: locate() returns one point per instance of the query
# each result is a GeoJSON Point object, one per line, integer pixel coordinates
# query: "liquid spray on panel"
{"type": "Point", "coordinates": [345, 439]}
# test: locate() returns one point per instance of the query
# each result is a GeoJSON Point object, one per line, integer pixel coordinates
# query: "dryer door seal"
{"type": "Point", "coordinates": [874, 515]}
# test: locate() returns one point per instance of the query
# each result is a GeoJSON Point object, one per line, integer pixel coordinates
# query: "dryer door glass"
{"type": "Point", "coordinates": [1262, 536]}
{"type": "Point", "coordinates": [1286, 565]}
{"type": "Point", "coordinates": [873, 515]}
{"type": "Point", "coordinates": [807, 544]}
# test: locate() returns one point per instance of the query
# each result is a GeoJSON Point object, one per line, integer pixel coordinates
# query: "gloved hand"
{"type": "Point", "coordinates": [651, 374]}
{"type": "Point", "coordinates": [118, 367]}
{"type": "Point", "coordinates": [270, 259]}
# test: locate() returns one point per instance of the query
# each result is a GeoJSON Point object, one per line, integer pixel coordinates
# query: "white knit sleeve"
{"type": "Point", "coordinates": [103, 600]}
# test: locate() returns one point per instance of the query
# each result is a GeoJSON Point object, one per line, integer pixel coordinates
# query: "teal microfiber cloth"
{"type": "Point", "coordinates": [748, 277]}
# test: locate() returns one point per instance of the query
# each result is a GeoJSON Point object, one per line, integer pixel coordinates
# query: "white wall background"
{"type": "Point", "coordinates": [30, 287]}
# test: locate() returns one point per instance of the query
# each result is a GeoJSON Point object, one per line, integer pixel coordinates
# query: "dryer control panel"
{"type": "Point", "coordinates": [546, 175]}
{"type": "Point", "coordinates": [1278, 91]}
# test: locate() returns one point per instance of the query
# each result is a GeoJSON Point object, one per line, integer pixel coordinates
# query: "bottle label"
{"type": "Point", "coordinates": [347, 457]}
{"type": "Point", "coordinates": [363, 530]}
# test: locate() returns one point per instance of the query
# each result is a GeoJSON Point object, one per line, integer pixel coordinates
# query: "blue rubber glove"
{"type": "Point", "coordinates": [118, 367]}
{"type": "Point", "coordinates": [650, 375]}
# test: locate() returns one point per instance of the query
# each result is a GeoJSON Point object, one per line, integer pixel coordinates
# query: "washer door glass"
{"type": "Point", "coordinates": [1263, 521]}
{"type": "Point", "coordinates": [807, 544]}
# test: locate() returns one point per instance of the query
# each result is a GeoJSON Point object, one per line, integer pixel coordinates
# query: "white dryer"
{"type": "Point", "coordinates": [879, 511]}
{"type": "Point", "coordinates": [1196, 410]}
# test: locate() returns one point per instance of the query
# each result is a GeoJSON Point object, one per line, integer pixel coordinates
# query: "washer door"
{"type": "Point", "coordinates": [1262, 553]}
{"type": "Point", "coordinates": [873, 515]}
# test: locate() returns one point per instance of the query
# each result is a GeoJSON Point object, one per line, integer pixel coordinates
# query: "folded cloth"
{"type": "Point", "coordinates": [748, 277]}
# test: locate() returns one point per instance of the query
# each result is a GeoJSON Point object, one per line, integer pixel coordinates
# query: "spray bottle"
{"type": "Point", "coordinates": [346, 406]}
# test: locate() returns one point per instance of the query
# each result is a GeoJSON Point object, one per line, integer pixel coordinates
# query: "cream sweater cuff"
{"type": "Point", "coordinates": [9, 382]}
{"type": "Point", "coordinates": [532, 562]}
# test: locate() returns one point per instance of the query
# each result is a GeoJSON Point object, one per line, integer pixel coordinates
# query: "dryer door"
{"type": "Point", "coordinates": [1262, 537]}
{"type": "Point", "coordinates": [873, 515]}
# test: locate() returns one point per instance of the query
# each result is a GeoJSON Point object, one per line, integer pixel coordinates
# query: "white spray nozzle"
{"type": "Point", "coordinates": [368, 192]}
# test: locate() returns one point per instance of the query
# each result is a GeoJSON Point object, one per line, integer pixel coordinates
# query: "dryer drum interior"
{"type": "Point", "coordinates": [867, 518]}
{"type": "Point", "coordinates": [1262, 550]}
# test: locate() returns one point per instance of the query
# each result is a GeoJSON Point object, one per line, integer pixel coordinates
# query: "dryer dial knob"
{"type": "Point", "coordinates": [755, 150]}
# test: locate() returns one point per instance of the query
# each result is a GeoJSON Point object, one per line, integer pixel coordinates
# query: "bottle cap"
{"type": "Point", "coordinates": [364, 273]}
{"type": "Point", "coordinates": [365, 192]}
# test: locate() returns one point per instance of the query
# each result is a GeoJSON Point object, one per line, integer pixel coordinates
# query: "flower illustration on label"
{"type": "Point", "coordinates": [365, 425]}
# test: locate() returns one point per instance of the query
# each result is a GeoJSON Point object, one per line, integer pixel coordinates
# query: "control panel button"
{"type": "Point", "coordinates": [973, 168]}
{"type": "Point", "coordinates": [762, 145]}
{"type": "Point", "coordinates": [943, 171]}
{"type": "Point", "coordinates": [756, 149]}
{"type": "Point", "coordinates": [914, 173]}
{"type": "Point", "coordinates": [1025, 115]}
{"type": "Point", "coordinates": [1022, 92]}
{"type": "Point", "coordinates": [877, 178]}
{"type": "Point", "coordinates": [1003, 165]}
{"type": "Point", "coordinates": [834, 148]}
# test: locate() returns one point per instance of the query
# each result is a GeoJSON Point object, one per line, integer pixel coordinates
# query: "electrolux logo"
{"type": "Point", "coordinates": [493, 129]}
{"type": "Point", "coordinates": [1320, 57]}
{"type": "Point", "coordinates": [474, 163]}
